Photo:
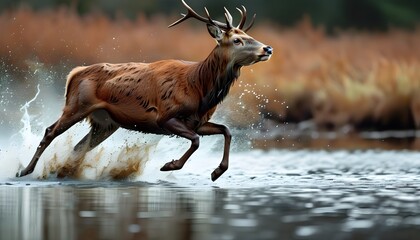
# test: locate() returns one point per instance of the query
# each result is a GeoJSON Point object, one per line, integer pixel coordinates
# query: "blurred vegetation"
{"type": "Point", "coordinates": [362, 79]}
{"type": "Point", "coordinates": [332, 14]}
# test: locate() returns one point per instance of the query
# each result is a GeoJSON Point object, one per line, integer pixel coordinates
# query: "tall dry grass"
{"type": "Point", "coordinates": [361, 79]}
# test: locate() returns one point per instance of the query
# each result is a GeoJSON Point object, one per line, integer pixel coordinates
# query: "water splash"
{"type": "Point", "coordinates": [26, 131]}
{"type": "Point", "coordinates": [126, 161]}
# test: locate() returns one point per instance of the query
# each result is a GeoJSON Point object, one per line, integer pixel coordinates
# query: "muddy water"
{"type": "Point", "coordinates": [273, 194]}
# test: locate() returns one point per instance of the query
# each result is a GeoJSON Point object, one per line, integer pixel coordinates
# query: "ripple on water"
{"type": "Point", "coordinates": [343, 206]}
{"type": "Point", "coordinates": [357, 224]}
{"type": "Point", "coordinates": [266, 211]}
{"type": "Point", "coordinates": [323, 200]}
{"type": "Point", "coordinates": [295, 218]}
{"type": "Point", "coordinates": [243, 222]}
{"type": "Point", "coordinates": [412, 220]}
{"type": "Point", "coordinates": [324, 211]}
{"type": "Point", "coordinates": [359, 200]}
{"type": "Point", "coordinates": [306, 231]}
{"type": "Point", "coordinates": [359, 213]}
{"type": "Point", "coordinates": [407, 198]}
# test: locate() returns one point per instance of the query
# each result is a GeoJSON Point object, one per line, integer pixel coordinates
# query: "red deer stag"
{"type": "Point", "coordinates": [170, 97]}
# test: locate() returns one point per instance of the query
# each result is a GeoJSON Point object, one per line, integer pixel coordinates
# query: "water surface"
{"type": "Point", "coordinates": [277, 194]}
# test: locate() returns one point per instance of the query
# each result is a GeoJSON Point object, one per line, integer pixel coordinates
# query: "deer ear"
{"type": "Point", "coordinates": [215, 32]}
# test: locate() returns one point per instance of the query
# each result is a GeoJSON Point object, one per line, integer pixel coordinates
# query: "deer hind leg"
{"type": "Point", "coordinates": [178, 128]}
{"type": "Point", "coordinates": [67, 120]}
{"type": "Point", "coordinates": [101, 128]}
{"type": "Point", "coordinates": [211, 129]}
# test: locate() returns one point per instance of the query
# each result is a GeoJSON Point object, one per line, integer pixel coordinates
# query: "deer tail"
{"type": "Point", "coordinates": [73, 73]}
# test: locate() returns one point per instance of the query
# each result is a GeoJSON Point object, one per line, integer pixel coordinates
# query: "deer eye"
{"type": "Point", "coordinates": [236, 41]}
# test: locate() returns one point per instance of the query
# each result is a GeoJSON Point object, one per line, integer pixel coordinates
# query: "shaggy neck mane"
{"type": "Point", "coordinates": [216, 75]}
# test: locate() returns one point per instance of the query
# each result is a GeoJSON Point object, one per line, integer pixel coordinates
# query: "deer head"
{"type": "Point", "coordinates": [241, 48]}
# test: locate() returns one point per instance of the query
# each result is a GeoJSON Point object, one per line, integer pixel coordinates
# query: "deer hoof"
{"type": "Point", "coordinates": [22, 173]}
{"type": "Point", "coordinates": [169, 166]}
{"type": "Point", "coordinates": [217, 173]}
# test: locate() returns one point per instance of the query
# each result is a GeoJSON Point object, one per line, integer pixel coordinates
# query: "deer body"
{"type": "Point", "coordinates": [170, 97]}
{"type": "Point", "coordinates": [139, 96]}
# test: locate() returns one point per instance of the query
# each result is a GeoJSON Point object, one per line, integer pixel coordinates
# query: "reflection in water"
{"type": "Point", "coordinates": [66, 212]}
{"type": "Point", "coordinates": [332, 208]}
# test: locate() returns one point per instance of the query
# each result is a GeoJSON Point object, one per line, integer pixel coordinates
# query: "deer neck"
{"type": "Point", "coordinates": [217, 73]}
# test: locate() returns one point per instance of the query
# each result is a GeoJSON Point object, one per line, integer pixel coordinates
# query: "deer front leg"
{"type": "Point", "coordinates": [46, 140]}
{"type": "Point", "coordinates": [67, 120]}
{"type": "Point", "coordinates": [211, 129]}
{"type": "Point", "coordinates": [178, 128]}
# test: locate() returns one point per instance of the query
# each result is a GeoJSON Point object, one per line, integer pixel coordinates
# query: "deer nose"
{"type": "Point", "coordinates": [268, 50]}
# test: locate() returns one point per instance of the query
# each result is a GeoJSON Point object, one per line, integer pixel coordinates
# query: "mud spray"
{"type": "Point", "coordinates": [125, 155]}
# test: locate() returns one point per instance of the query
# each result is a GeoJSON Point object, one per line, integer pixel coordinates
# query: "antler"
{"type": "Point", "coordinates": [243, 19]}
{"type": "Point", "coordinates": [225, 26]}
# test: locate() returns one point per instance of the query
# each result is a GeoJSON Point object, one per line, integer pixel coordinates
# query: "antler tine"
{"type": "Point", "coordinates": [190, 13]}
{"type": "Point", "coordinates": [193, 14]}
{"type": "Point", "coordinates": [229, 19]}
{"type": "Point", "coordinates": [252, 23]}
{"type": "Point", "coordinates": [214, 22]}
{"type": "Point", "coordinates": [243, 17]}
{"type": "Point", "coordinates": [208, 16]}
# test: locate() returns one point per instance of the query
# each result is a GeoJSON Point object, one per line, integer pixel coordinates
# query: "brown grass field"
{"type": "Point", "coordinates": [359, 79]}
